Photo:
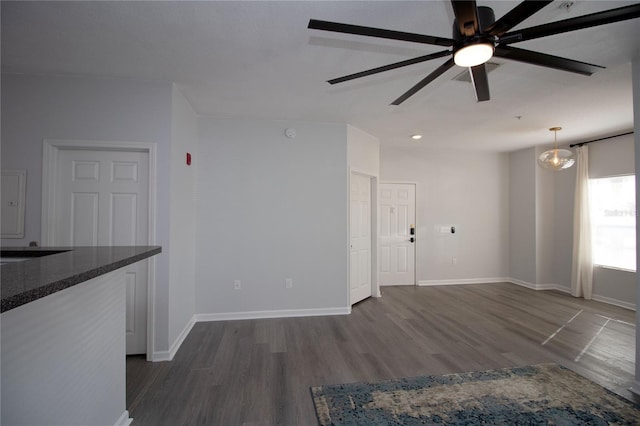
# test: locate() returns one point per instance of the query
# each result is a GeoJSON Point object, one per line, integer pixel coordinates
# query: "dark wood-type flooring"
{"type": "Point", "coordinates": [258, 372]}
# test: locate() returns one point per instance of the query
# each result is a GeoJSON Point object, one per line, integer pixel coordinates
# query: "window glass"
{"type": "Point", "coordinates": [613, 221]}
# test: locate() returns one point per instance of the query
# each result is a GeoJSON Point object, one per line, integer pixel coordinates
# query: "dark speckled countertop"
{"type": "Point", "coordinates": [51, 269]}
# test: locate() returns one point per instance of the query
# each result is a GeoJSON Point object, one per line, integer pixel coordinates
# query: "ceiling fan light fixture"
{"type": "Point", "coordinates": [476, 36]}
{"type": "Point", "coordinates": [556, 159]}
{"type": "Point", "coordinates": [474, 54]}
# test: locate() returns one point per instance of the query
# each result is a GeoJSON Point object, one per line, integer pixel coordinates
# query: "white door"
{"type": "Point", "coordinates": [397, 218]}
{"type": "Point", "coordinates": [102, 200]}
{"type": "Point", "coordinates": [360, 239]}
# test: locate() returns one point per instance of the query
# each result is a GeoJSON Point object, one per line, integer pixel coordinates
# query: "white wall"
{"type": "Point", "coordinates": [270, 208]}
{"type": "Point", "coordinates": [363, 151]}
{"type": "Point", "coordinates": [466, 189]}
{"type": "Point", "coordinates": [35, 108]}
{"type": "Point", "coordinates": [612, 157]}
{"type": "Point", "coordinates": [184, 137]}
{"type": "Point", "coordinates": [522, 216]}
{"type": "Point", "coordinates": [544, 221]}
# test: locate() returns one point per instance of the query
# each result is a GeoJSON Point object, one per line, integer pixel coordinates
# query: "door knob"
{"type": "Point", "coordinates": [412, 239]}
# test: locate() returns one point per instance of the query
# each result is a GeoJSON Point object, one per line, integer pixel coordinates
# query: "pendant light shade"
{"type": "Point", "coordinates": [556, 159]}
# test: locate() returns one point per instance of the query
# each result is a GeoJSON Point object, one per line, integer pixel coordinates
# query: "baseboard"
{"type": "Point", "coordinates": [533, 286]}
{"type": "Point", "coordinates": [635, 387]}
{"type": "Point", "coordinates": [557, 287]}
{"type": "Point", "coordinates": [462, 281]}
{"type": "Point", "coordinates": [397, 285]}
{"type": "Point", "coordinates": [124, 419]}
{"type": "Point", "coordinates": [227, 316]}
{"type": "Point", "coordinates": [158, 356]}
{"type": "Point", "coordinates": [183, 335]}
{"type": "Point", "coordinates": [616, 302]}
{"type": "Point", "coordinates": [521, 283]}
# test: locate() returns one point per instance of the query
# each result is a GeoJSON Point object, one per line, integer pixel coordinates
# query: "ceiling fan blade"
{"type": "Point", "coordinates": [428, 79]}
{"type": "Point", "coordinates": [466, 16]}
{"type": "Point", "coordinates": [480, 82]}
{"type": "Point", "coordinates": [545, 60]}
{"type": "Point", "coordinates": [573, 24]}
{"type": "Point", "coordinates": [515, 16]}
{"type": "Point", "coordinates": [390, 67]}
{"type": "Point", "coordinates": [337, 27]}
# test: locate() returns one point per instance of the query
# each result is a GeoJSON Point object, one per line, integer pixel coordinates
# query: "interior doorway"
{"type": "Point", "coordinates": [363, 281]}
{"type": "Point", "coordinates": [101, 193]}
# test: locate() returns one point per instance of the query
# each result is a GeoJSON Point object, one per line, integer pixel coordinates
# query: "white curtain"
{"type": "Point", "coordinates": [582, 265]}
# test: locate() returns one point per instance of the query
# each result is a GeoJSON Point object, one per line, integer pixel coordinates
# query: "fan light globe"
{"type": "Point", "coordinates": [473, 55]}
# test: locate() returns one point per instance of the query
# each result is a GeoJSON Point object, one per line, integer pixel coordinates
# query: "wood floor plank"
{"type": "Point", "coordinates": [258, 372]}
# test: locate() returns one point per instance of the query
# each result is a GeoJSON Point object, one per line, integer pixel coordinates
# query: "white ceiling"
{"type": "Point", "coordinates": [258, 59]}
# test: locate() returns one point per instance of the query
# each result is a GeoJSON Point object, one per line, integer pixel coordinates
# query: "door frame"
{"type": "Point", "coordinates": [415, 202]}
{"type": "Point", "coordinates": [50, 151]}
{"type": "Point", "coordinates": [375, 287]}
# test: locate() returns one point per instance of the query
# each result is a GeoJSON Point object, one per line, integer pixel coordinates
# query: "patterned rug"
{"type": "Point", "coordinates": [545, 394]}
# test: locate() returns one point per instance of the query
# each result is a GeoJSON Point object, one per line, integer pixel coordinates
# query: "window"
{"type": "Point", "coordinates": [613, 221]}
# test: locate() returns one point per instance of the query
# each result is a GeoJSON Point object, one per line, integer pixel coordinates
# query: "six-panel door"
{"type": "Point", "coordinates": [397, 251]}
{"type": "Point", "coordinates": [102, 200]}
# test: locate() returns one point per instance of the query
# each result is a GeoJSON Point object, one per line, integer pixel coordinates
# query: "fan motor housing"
{"type": "Point", "coordinates": [486, 17]}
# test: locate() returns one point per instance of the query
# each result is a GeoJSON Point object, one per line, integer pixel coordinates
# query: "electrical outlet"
{"type": "Point", "coordinates": [454, 260]}
{"type": "Point", "coordinates": [288, 283]}
{"type": "Point", "coordinates": [237, 284]}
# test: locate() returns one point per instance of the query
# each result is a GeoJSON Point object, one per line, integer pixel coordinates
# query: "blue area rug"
{"type": "Point", "coordinates": [545, 394]}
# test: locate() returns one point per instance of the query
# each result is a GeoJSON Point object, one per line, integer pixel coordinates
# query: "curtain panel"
{"type": "Point", "coordinates": [582, 264]}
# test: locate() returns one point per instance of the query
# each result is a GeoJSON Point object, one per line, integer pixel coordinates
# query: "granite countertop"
{"type": "Point", "coordinates": [51, 269]}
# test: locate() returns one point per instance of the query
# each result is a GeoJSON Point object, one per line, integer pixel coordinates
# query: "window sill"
{"type": "Point", "coordinates": [615, 268]}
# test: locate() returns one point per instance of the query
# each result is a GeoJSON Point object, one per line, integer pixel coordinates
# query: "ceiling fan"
{"type": "Point", "coordinates": [477, 36]}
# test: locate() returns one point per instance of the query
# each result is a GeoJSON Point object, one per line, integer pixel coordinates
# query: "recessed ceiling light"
{"type": "Point", "coordinates": [416, 137]}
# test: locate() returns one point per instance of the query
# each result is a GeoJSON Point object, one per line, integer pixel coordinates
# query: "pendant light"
{"type": "Point", "coordinates": [556, 159]}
